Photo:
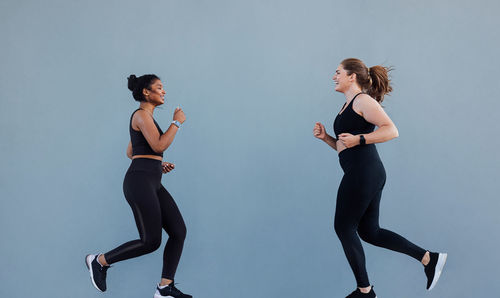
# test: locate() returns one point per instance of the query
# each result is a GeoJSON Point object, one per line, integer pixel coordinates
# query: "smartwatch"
{"type": "Point", "coordinates": [176, 123]}
{"type": "Point", "coordinates": [362, 140]}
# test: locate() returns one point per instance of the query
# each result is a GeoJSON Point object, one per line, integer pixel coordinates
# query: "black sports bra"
{"type": "Point", "coordinates": [351, 122]}
{"type": "Point", "coordinates": [140, 145]}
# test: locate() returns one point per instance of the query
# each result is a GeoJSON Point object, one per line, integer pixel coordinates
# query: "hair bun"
{"type": "Point", "coordinates": [132, 82]}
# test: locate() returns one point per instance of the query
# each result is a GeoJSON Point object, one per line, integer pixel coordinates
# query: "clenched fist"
{"type": "Point", "coordinates": [319, 131]}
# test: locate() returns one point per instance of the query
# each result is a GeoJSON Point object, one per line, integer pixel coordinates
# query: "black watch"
{"type": "Point", "coordinates": [362, 140]}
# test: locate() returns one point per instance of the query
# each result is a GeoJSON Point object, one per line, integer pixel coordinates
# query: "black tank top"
{"type": "Point", "coordinates": [351, 122]}
{"type": "Point", "coordinates": [140, 145]}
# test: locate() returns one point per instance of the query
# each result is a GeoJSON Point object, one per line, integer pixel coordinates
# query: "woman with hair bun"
{"type": "Point", "coordinates": [152, 205]}
{"type": "Point", "coordinates": [359, 193]}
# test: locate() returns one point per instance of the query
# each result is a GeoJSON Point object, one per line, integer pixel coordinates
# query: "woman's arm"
{"type": "Point", "coordinates": [158, 143]}
{"type": "Point", "coordinates": [331, 141]}
{"type": "Point", "coordinates": [319, 132]}
{"type": "Point", "coordinates": [372, 111]}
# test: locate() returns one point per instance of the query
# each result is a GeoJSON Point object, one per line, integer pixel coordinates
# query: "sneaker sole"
{"type": "Point", "coordinates": [439, 268]}
{"type": "Point", "coordinates": [160, 296]}
{"type": "Point", "coordinates": [88, 263]}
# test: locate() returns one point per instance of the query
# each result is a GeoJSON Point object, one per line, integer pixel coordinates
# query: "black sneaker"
{"type": "Point", "coordinates": [170, 291]}
{"type": "Point", "coordinates": [434, 268]}
{"type": "Point", "coordinates": [359, 294]}
{"type": "Point", "coordinates": [97, 272]}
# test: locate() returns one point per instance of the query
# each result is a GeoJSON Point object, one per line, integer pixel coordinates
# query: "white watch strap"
{"type": "Point", "coordinates": [176, 123]}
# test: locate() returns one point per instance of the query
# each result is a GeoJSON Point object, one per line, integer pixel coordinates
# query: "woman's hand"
{"type": "Point", "coordinates": [319, 131]}
{"type": "Point", "coordinates": [167, 167]}
{"type": "Point", "coordinates": [349, 140]}
{"type": "Point", "coordinates": [179, 115]}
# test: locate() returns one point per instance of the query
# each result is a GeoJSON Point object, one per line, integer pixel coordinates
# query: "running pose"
{"type": "Point", "coordinates": [359, 193]}
{"type": "Point", "coordinates": [152, 205]}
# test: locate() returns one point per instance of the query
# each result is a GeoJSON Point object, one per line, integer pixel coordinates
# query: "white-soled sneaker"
{"type": "Point", "coordinates": [97, 272]}
{"type": "Point", "coordinates": [170, 291]}
{"type": "Point", "coordinates": [434, 268]}
{"type": "Point", "coordinates": [358, 294]}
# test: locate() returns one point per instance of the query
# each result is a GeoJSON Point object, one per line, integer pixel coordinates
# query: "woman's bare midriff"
{"type": "Point", "coordinates": [340, 146]}
{"type": "Point", "coordinates": [148, 156]}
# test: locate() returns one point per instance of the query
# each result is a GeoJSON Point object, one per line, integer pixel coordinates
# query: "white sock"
{"type": "Point", "coordinates": [162, 287]}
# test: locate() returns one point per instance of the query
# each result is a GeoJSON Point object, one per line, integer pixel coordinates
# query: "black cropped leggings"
{"type": "Point", "coordinates": [357, 211]}
{"type": "Point", "coordinates": [154, 209]}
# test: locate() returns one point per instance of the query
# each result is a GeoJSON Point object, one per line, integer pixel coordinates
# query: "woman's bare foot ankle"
{"type": "Point", "coordinates": [165, 282]}
{"type": "Point", "coordinates": [426, 258]}
{"type": "Point", "coordinates": [102, 260]}
{"type": "Point", "coordinates": [365, 290]}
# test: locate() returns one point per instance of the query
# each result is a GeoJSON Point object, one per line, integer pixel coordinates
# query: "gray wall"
{"type": "Point", "coordinates": [256, 189]}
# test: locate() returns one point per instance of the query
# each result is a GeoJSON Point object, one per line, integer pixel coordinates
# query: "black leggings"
{"type": "Point", "coordinates": [154, 209]}
{"type": "Point", "coordinates": [358, 202]}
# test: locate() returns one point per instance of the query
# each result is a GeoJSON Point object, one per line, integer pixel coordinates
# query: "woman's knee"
{"type": "Point", "coordinates": [368, 235]}
{"type": "Point", "coordinates": [343, 228]}
{"type": "Point", "coordinates": [181, 232]}
{"type": "Point", "coordinates": [152, 244]}
{"type": "Point", "coordinates": [178, 232]}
